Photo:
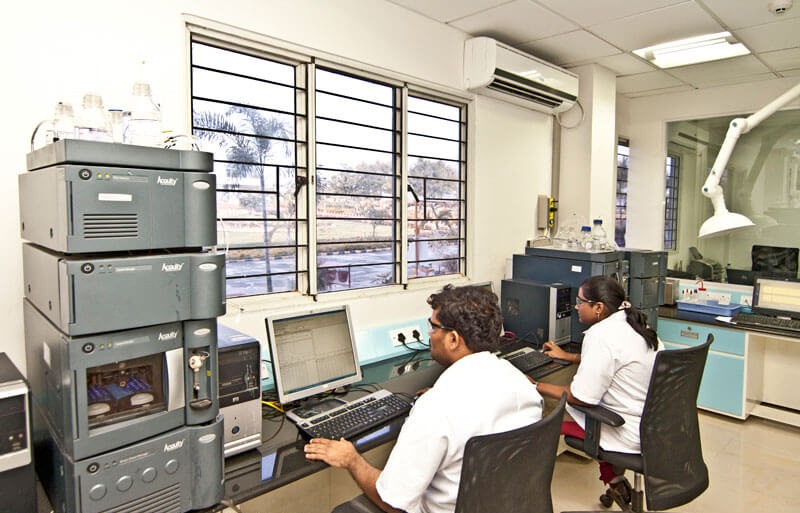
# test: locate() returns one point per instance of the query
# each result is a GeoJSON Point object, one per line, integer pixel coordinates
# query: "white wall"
{"type": "Point", "coordinates": [587, 183]}
{"type": "Point", "coordinates": [647, 117]}
{"type": "Point", "coordinates": [55, 51]}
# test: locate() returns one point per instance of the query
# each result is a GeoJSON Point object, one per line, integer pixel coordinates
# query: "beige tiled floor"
{"type": "Point", "coordinates": [753, 466]}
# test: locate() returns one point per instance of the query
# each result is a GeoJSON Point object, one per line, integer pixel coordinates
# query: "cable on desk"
{"type": "Point", "coordinates": [280, 427]}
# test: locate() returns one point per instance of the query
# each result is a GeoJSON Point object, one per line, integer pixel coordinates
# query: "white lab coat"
{"type": "Point", "coordinates": [614, 372]}
{"type": "Point", "coordinates": [477, 395]}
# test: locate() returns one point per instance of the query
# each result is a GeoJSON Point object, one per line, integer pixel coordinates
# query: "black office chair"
{"type": "Point", "coordinates": [671, 459]}
{"type": "Point", "coordinates": [512, 471]}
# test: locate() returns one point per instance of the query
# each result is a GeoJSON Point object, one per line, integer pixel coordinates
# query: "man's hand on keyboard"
{"type": "Point", "coordinates": [335, 453]}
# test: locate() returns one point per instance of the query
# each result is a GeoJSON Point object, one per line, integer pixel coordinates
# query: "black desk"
{"type": "Point", "coordinates": [280, 460]}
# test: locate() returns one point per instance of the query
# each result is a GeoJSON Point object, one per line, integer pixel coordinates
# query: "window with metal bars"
{"type": "Point", "coordinates": [357, 132]}
{"type": "Point", "coordinates": [275, 124]}
{"type": "Point", "coordinates": [621, 216]}
{"type": "Point", "coordinates": [249, 111]}
{"type": "Point", "coordinates": [671, 204]}
{"type": "Point", "coordinates": [437, 188]}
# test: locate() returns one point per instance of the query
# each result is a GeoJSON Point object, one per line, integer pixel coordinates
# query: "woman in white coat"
{"type": "Point", "coordinates": [615, 365]}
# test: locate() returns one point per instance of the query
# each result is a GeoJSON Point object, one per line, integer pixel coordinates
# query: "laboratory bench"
{"type": "Point", "coordinates": [280, 460]}
{"type": "Point", "coordinates": [749, 371]}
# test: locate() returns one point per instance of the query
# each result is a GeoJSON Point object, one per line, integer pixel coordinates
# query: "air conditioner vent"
{"type": "Point", "coordinates": [503, 72]}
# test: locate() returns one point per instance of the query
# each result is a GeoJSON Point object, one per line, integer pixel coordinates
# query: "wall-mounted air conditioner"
{"type": "Point", "coordinates": [497, 70]}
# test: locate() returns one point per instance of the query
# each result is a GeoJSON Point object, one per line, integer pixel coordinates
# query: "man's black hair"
{"type": "Point", "coordinates": [471, 311]}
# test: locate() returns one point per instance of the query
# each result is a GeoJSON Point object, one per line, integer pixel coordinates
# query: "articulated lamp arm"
{"type": "Point", "coordinates": [724, 221]}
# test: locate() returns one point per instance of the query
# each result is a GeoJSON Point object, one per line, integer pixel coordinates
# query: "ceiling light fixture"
{"type": "Point", "coordinates": [709, 47]}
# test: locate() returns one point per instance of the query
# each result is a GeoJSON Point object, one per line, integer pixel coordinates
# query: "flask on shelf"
{"type": "Point", "coordinates": [63, 122]}
{"type": "Point", "coordinates": [144, 120]}
{"type": "Point", "coordinates": [587, 242]}
{"type": "Point", "coordinates": [92, 124]}
{"type": "Point", "coordinates": [599, 235]}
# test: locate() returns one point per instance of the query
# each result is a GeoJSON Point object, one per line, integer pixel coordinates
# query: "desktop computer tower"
{"type": "Point", "coordinates": [536, 311]}
{"type": "Point", "coordinates": [571, 268]}
{"type": "Point", "coordinates": [17, 485]}
{"type": "Point", "coordinates": [239, 389]}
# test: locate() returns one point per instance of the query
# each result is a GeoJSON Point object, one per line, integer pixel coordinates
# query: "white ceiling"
{"type": "Point", "coordinates": [577, 32]}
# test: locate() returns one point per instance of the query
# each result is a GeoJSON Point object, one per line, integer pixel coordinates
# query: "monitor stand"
{"type": "Point", "coordinates": [315, 406]}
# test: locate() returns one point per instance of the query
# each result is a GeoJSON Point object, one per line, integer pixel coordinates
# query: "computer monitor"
{"type": "Point", "coordinates": [774, 261]}
{"type": "Point", "coordinates": [776, 297]}
{"type": "Point", "coordinates": [313, 351]}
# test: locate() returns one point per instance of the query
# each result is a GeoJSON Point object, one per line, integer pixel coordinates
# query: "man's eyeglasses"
{"type": "Point", "coordinates": [579, 301]}
{"type": "Point", "coordinates": [432, 325]}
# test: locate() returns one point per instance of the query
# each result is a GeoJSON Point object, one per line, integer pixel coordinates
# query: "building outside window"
{"type": "Point", "coordinates": [276, 125]}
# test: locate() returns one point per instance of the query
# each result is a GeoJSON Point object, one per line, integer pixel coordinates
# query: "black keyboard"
{"type": "Point", "coordinates": [766, 321]}
{"type": "Point", "coordinates": [356, 417]}
{"type": "Point", "coordinates": [528, 361]}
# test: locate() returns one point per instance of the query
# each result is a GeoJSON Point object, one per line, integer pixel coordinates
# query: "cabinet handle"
{"type": "Point", "coordinates": [690, 334]}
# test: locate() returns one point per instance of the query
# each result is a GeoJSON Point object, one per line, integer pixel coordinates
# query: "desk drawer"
{"type": "Point", "coordinates": [692, 334]}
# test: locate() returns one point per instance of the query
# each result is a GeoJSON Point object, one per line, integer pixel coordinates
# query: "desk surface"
{"type": "Point", "coordinates": [673, 312]}
{"type": "Point", "coordinates": [280, 460]}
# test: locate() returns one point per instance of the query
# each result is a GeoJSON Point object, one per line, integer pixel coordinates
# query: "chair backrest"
{"type": "Point", "coordinates": [511, 471]}
{"type": "Point", "coordinates": [674, 470]}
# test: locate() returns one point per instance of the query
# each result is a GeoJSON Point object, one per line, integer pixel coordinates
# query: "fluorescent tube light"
{"type": "Point", "coordinates": [710, 47]}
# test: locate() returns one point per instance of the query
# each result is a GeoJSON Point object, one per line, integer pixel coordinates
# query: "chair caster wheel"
{"type": "Point", "coordinates": [606, 500]}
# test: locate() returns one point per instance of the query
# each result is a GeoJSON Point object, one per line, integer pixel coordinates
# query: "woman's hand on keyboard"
{"type": "Point", "coordinates": [336, 453]}
{"type": "Point", "coordinates": [554, 351]}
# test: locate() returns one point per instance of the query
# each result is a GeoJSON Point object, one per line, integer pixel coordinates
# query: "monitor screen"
{"type": "Point", "coordinates": [312, 352]}
{"type": "Point", "coordinates": [776, 297]}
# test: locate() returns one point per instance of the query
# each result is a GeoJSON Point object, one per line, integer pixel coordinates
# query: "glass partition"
{"type": "Point", "coordinates": [761, 182]}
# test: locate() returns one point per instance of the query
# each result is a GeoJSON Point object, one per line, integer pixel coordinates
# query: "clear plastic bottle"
{"type": "Point", "coordinates": [599, 235]}
{"type": "Point", "coordinates": [63, 122]}
{"type": "Point", "coordinates": [587, 242]}
{"type": "Point", "coordinates": [92, 124]}
{"type": "Point", "coordinates": [144, 122]}
{"type": "Point", "coordinates": [115, 118]}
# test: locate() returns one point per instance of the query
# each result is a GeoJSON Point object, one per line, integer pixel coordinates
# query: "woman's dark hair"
{"type": "Point", "coordinates": [602, 289]}
{"type": "Point", "coordinates": [471, 311]}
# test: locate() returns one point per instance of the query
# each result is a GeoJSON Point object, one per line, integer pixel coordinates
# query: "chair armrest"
{"type": "Point", "coordinates": [596, 416]}
{"type": "Point", "coordinates": [604, 415]}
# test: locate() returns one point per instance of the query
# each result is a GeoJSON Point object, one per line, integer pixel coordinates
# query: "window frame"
{"type": "Point", "coordinates": [671, 225]}
{"type": "Point", "coordinates": [230, 38]}
{"type": "Point", "coordinates": [618, 196]}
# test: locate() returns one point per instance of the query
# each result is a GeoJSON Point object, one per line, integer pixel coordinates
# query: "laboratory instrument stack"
{"type": "Point", "coordinates": [568, 267]}
{"type": "Point", "coordinates": [122, 292]}
{"type": "Point", "coordinates": [646, 274]}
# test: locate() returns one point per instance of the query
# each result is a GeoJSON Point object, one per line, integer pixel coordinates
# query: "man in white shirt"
{"type": "Point", "coordinates": [477, 394]}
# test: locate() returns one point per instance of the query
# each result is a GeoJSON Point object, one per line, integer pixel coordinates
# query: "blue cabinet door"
{"type": "Point", "coordinates": [722, 387]}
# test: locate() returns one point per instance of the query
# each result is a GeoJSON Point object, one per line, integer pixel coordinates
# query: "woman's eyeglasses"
{"type": "Point", "coordinates": [432, 325]}
{"type": "Point", "coordinates": [579, 301]}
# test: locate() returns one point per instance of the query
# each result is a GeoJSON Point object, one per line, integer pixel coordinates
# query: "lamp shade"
{"type": "Point", "coordinates": [722, 223]}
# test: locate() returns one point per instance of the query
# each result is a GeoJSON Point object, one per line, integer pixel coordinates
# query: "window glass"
{"type": "Point", "coordinates": [243, 110]}
{"type": "Point", "coordinates": [436, 175]}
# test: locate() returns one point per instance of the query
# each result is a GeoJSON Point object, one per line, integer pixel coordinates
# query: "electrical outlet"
{"type": "Point", "coordinates": [745, 300]}
{"type": "Point", "coordinates": [720, 297]}
{"type": "Point", "coordinates": [265, 373]}
{"type": "Point", "coordinates": [404, 368]}
{"type": "Point", "coordinates": [408, 332]}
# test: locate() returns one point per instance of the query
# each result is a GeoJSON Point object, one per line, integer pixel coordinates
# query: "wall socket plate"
{"type": "Point", "coordinates": [265, 373]}
{"type": "Point", "coordinates": [722, 298]}
{"type": "Point", "coordinates": [404, 368]}
{"type": "Point", "coordinates": [408, 332]}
